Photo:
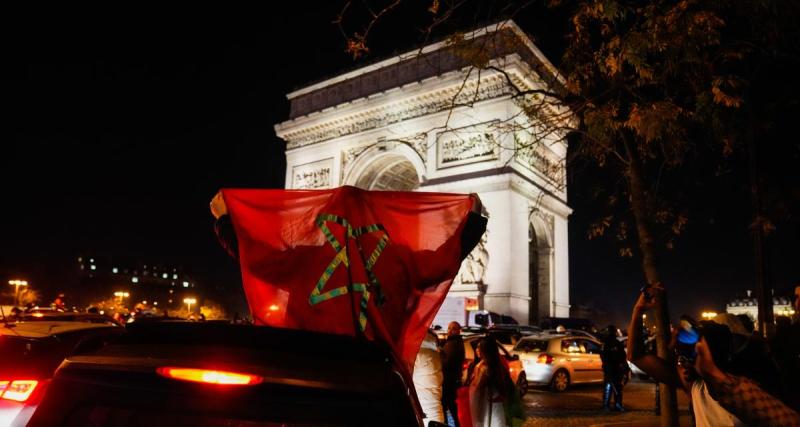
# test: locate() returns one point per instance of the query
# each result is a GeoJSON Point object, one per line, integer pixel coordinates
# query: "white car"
{"type": "Point", "coordinates": [560, 361]}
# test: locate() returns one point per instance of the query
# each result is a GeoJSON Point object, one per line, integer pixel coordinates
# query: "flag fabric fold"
{"type": "Point", "coordinates": [349, 261]}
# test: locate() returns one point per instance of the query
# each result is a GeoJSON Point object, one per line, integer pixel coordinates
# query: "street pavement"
{"type": "Point", "coordinates": [581, 405]}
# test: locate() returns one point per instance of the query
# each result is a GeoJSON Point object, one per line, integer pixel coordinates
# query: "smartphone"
{"type": "Point", "coordinates": [688, 336]}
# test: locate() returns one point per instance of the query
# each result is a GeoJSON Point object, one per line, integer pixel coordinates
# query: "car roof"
{"type": "Point", "coordinates": [43, 329]}
{"type": "Point", "coordinates": [548, 336]}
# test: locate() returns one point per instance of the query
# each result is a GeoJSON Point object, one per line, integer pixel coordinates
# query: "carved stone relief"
{"type": "Point", "coordinates": [539, 158]}
{"type": "Point", "coordinates": [429, 104]}
{"type": "Point", "coordinates": [349, 156]}
{"type": "Point", "coordinates": [312, 175]}
{"type": "Point", "coordinates": [466, 145]}
{"type": "Point", "coordinates": [473, 269]}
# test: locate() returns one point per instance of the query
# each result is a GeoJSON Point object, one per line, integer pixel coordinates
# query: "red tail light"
{"type": "Point", "coordinates": [545, 359]}
{"type": "Point", "coordinates": [209, 376]}
{"type": "Point", "coordinates": [17, 390]}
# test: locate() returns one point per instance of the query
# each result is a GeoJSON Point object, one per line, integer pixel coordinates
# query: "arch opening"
{"type": "Point", "coordinates": [389, 173]}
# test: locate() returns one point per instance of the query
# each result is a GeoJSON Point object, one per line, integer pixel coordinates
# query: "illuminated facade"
{"type": "Point", "coordinates": [426, 121]}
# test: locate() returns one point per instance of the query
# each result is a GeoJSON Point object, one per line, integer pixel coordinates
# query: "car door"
{"type": "Point", "coordinates": [594, 365]}
{"type": "Point", "coordinates": [575, 357]}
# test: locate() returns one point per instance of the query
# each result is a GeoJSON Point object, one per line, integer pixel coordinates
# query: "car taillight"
{"type": "Point", "coordinates": [17, 390]}
{"type": "Point", "coordinates": [545, 359]}
{"type": "Point", "coordinates": [209, 376]}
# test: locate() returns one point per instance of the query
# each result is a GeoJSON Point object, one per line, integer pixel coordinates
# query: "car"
{"type": "Point", "coordinates": [577, 332]}
{"type": "Point", "coordinates": [47, 315]}
{"type": "Point", "coordinates": [509, 335]}
{"type": "Point", "coordinates": [214, 374]}
{"type": "Point", "coordinates": [31, 351]}
{"type": "Point", "coordinates": [560, 360]}
{"type": "Point", "coordinates": [515, 368]}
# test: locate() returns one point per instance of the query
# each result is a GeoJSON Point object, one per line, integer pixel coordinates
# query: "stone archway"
{"type": "Point", "coordinates": [389, 173]}
{"type": "Point", "coordinates": [540, 269]}
{"type": "Point", "coordinates": [379, 168]}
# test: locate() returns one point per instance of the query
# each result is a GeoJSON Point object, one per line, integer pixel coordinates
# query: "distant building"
{"type": "Point", "coordinates": [781, 306]}
{"type": "Point", "coordinates": [157, 285]}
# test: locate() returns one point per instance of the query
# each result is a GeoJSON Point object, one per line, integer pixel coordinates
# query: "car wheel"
{"type": "Point", "coordinates": [522, 384]}
{"type": "Point", "coordinates": [560, 381]}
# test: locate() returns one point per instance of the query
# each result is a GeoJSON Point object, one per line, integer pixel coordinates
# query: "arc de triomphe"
{"type": "Point", "coordinates": [426, 121]}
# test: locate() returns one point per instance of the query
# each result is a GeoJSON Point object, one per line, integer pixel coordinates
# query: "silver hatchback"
{"type": "Point", "coordinates": [560, 360]}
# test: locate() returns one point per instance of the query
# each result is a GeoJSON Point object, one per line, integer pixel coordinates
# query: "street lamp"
{"type": "Point", "coordinates": [708, 315]}
{"type": "Point", "coordinates": [189, 302]}
{"type": "Point", "coordinates": [121, 295]}
{"type": "Point", "coordinates": [17, 284]}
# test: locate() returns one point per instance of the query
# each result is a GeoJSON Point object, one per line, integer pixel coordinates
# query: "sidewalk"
{"type": "Point", "coordinates": [600, 418]}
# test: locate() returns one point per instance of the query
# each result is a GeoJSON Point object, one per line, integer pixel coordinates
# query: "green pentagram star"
{"type": "Point", "coordinates": [317, 295]}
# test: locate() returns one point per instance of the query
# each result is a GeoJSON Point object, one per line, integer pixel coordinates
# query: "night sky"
{"type": "Point", "coordinates": [117, 132]}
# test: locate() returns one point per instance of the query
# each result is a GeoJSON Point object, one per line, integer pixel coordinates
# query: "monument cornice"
{"type": "Point", "coordinates": [361, 120]}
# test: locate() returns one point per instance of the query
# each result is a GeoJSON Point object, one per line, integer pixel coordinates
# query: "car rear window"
{"type": "Point", "coordinates": [531, 345]}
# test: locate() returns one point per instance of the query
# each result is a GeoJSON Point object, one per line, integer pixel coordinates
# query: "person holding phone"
{"type": "Point", "coordinates": [718, 398]}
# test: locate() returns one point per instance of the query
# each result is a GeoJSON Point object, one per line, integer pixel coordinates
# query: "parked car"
{"type": "Point", "coordinates": [30, 352]}
{"type": "Point", "coordinates": [213, 374]}
{"type": "Point", "coordinates": [560, 360]}
{"type": "Point", "coordinates": [515, 368]}
{"type": "Point", "coordinates": [575, 332]}
{"type": "Point", "coordinates": [509, 335]}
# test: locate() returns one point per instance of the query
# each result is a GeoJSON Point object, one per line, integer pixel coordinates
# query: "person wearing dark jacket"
{"type": "Point", "coordinates": [452, 365]}
{"type": "Point", "coordinates": [615, 367]}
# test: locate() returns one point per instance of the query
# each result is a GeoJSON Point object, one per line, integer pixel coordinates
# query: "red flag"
{"type": "Point", "coordinates": [349, 261]}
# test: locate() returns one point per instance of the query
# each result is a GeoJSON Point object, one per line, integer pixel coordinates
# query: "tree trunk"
{"type": "Point", "coordinates": [766, 320]}
{"type": "Point", "coordinates": [638, 204]}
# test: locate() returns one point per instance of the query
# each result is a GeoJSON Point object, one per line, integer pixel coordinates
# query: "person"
{"type": "Point", "coordinates": [718, 398]}
{"type": "Point", "coordinates": [452, 365]}
{"type": "Point", "coordinates": [489, 387]}
{"type": "Point", "coordinates": [428, 379]}
{"type": "Point", "coordinates": [453, 354]}
{"type": "Point", "coordinates": [59, 304]}
{"type": "Point", "coordinates": [615, 367]}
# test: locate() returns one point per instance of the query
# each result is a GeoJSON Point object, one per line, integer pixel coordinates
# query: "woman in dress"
{"type": "Point", "coordinates": [490, 387]}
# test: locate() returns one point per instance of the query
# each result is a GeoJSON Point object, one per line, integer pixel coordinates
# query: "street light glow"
{"type": "Point", "coordinates": [16, 283]}
{"type": "Point", "coordinates": [708, 315]}
{"type": "Point", "coordinates": [189, 302]}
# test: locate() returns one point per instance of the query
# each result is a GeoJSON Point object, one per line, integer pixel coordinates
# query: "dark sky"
{"type": "Point", "coordinates": [117, 130]}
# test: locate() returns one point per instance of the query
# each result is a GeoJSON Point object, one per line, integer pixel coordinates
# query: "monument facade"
{"type": "Point", "coordinates": [427, 120]}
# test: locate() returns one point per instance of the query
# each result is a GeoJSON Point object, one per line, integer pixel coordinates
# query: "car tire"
{"type": "Point", "coordinates": [560, 381]}
{"type": "Point", "coordinates": [522, 384]}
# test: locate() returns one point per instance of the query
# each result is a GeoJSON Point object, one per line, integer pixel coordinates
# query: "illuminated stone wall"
{"type": "Point", "coordinates": [449, 129]}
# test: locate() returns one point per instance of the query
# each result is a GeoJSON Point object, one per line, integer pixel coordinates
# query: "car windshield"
{"type": "Point", "coordinates": [529, 345]}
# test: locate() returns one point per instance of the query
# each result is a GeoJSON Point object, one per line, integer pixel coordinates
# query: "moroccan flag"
{"type": "Point", "coordinates": [349, 261]}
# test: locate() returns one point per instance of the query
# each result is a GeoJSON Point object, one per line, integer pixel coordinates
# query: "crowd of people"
{"type": "Point", "coordinates": [488, 397]}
